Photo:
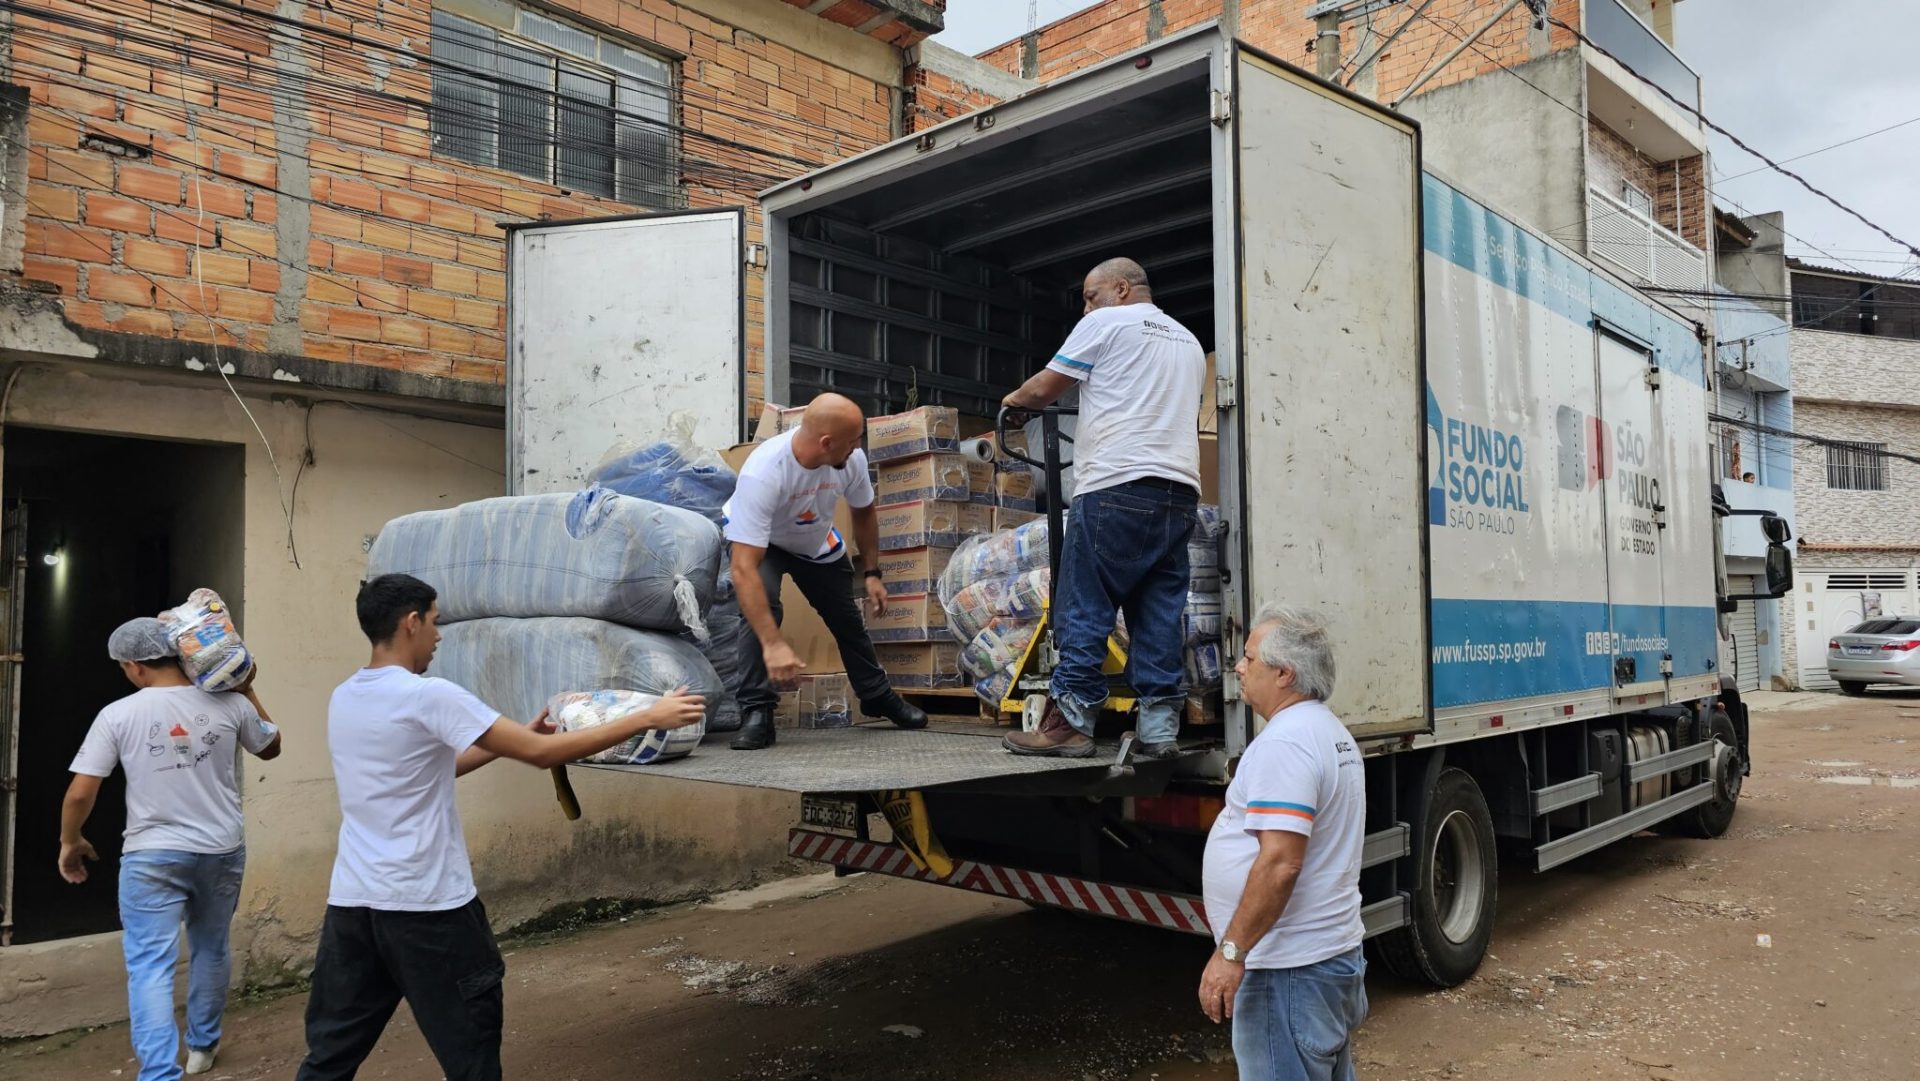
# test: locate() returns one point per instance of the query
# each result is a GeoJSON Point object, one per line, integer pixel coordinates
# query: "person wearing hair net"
{"type": "Point", "coordinates": [184, 844]}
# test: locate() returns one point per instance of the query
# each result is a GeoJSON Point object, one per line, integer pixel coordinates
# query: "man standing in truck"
{"type": "Point", "coordinates": [780, 523]}
{"type": "Point", "coordinates": [1281, 874]}
{"type": "Point", "coordinates": [1136, 462]}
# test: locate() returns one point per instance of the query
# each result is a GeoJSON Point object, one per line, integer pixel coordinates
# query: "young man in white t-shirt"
{"type": "Point", "coordinates": [1281, 874]}
{"type": "Point", "coordinates": [780, 523]}
{"type": "Point", "coordinates": [184, 847]}
{"type": "Point", "coordinates": [1136, 465]}
{"type": "Point", "coordinates": [403, 918]}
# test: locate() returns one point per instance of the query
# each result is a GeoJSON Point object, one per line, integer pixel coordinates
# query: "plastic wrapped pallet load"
{"type": "Point", "coordinates": [595, 554]}
{"type": "Point", "coordinates": [518, 665]}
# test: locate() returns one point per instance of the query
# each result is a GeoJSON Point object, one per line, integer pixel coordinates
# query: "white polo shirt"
{"type": "Point", "coordinates": [1303, 774]}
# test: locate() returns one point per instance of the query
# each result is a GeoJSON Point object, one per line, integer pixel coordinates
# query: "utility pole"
{"type": "Point", "coordinates": [1326, 42]}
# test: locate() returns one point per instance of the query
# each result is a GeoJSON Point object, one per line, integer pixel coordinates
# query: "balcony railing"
{"type": "Point", "coordinates": [1630, 241]}
{"type": "Point", "coordinates": [1621, 33]}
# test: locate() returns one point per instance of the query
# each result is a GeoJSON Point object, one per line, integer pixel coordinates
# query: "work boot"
{"type": "Point", "coordinates": [756, 730]}
{"type": "Point", "coordinates": [200, 1060]}
{"type": "Point", "coordinates": [1055, 738]}
{"type": "Point", "coordinates": [901, 712]}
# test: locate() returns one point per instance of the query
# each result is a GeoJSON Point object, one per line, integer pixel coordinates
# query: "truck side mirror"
{"type": "Point", "coordinates": [1779, 569]}
{"type": "Point", "coordinates": [1775, 528]}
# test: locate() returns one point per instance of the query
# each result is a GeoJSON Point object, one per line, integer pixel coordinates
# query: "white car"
{"type": "Point", "coordinates": [1885, 649]}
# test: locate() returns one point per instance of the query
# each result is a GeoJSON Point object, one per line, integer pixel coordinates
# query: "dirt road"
{"type": "Point", "coordinates": [1641, 962]}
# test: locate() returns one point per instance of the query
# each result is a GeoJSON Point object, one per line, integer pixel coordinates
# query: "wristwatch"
{"type": "Point", "coordinates": [1230, 951]}
{"type": "Point", "coordinates": [873, 573]}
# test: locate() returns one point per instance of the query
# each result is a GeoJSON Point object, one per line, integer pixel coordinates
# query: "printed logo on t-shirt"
{"type": "Point", "coordinates": [181, 741]}
{"type": "Point", "coordinates": [807, 517]}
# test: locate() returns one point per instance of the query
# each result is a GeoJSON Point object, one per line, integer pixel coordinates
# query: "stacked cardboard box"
{"type": "Point", "coordinates": [929, 429]}
{"type": "Point", "coordinates": [775, 419]}
{"type": "Point", "coordinates": [922, 666]}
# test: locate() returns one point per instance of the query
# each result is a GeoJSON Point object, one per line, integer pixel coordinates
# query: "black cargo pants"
{"type": "Point", "coordinates": [445, 964]}
{"type": "Point", "coordinates": [828, 587]}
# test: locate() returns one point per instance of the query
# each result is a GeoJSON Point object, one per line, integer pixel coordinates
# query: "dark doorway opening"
{"type": "Point", "coordinates": [115, 528]}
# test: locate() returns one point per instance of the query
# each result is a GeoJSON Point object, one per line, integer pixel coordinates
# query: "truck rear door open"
{"type": "Point", "coordinates": [1325, 446]}
{"type": "Point", "coordinates": [613, 325]}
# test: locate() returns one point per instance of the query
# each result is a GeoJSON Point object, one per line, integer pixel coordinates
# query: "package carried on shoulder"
{"type": "Point", "coordinates": [211, 652]}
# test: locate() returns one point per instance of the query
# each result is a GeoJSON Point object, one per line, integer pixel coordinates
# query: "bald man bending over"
{"type": "Point", "coordinates": [780, 522]}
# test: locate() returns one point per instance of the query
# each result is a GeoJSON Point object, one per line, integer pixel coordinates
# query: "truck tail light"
{"type": "Point", "coordinates": [1176, 811]}
{"type": "Point", "coordinates": [1900, 647]}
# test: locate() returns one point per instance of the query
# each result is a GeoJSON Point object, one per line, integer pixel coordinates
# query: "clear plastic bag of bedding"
{"type": "Point", "coordinates": [675, 471]}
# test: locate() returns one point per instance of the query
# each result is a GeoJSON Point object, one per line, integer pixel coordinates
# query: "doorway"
{"type": "Point", "coordinates": [114, 528]}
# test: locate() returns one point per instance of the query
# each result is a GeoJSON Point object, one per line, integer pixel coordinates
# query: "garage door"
{"type": "Point", "coordinates": [1745, 648]}
{"type": "Point", "coordinates": [1835, 602]}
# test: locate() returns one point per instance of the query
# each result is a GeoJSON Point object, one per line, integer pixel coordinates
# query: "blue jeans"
{"type": "Point", "coordinates": [1296, 1024]}
{"type": "Point", "coordinates": [1125, 550]}
{"type": "Point", "coordinates": [160, 890]}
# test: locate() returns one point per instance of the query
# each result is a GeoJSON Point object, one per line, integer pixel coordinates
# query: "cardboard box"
{"type": "Point", "coordinates": [980, 482]}
{"type": "Point", "coordinates": [775, 419]}
{"type": "Point", "coordinates": [1013, 488]}
{"type": "Point", "coordinates": [929, 522]}
{"type": "Point", "coordinates": [910, 617]}
{"type": "Point", "coordinates": [787, 713]}
{"type": "Point", "coordinates": [914, 570]}
{"type": "Point", "coordinates": [927, 476]}
{"type": "Point", "coordinates": [1008, 518]}
{"type": "Point", "coordinates": [922, 665]}
{"type": "Point", "coordinates": [824, 700]}
{"type": "Point", "coordinates": [926, 430]}
{"type": "Point", "coordinates": [1210, 469]}
{"type": "Point", "coordinates": [1209, 410]}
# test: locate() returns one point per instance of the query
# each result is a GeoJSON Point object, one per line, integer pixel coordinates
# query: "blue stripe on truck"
{"type": "Point", "coordinates": [1477, 239]}
{"type": "Point", "coordinates": [1488, 651]}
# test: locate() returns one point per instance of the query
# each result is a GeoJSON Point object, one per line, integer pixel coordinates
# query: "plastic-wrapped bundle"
{"type": "Point", "coordinates": [576, 710]}
{"type": "Point", "coordinates": [516, 665]}
{"type": "Point", "coordinates": [1204, 666]}
{"type": "Point", "coordinates": [211, 652]}
{"type": "Point", "coordinates": [994, 688]}
{"type": "Point", "coordinates": [1023, 596]}
{"type": "Point", "coordinates": [675, 471]}
{"type": "Point", "coordinates": [1201, 620]}
{"type": "Point", "coordinates": [595, 554]}
{"type": "Point", "coordinates": [1203, 550]}
{"type": "Point", "coordinates": [727, 635]}
{"type": "Point", "coordinates": [1000, 644]}
{"type": "Point", "coordinates": [1000, 554]}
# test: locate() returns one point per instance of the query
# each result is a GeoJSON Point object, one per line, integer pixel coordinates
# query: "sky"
{"type": "Point", "coordinates": [1787, 76]}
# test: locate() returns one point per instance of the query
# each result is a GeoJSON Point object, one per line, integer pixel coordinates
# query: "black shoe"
{"type": "Point", "coordinates": [901, 712]}
{"type": "Point", "coordinates": [1159, 752]}
{"type": "Point", "coordinates": [756, 730]}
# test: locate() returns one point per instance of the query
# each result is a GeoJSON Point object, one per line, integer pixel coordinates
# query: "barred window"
{"type": "Point", "coordinates": [1857, 467]}
{"type": "Point", "coordinates": [516, 90]}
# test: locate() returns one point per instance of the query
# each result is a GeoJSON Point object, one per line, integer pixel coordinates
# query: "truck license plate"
{"type": "Point", "coordinates": [833, 814]}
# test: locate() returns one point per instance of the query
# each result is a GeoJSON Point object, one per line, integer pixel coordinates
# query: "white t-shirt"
{"type": "Point", "coordinates": [176, 746]}
{"type": "Point", "coordinates": [1301, 773]}
{"type": "Point", "coordinates": [395, 738]}
{"type": "Point", "coordinates": [1141, 376]}
{"type": "Point", "coordinates": [780, 504]}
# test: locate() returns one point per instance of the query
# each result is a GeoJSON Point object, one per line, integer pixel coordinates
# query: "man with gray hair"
{"type": "Point", "coordinates": [1281, 875]}
{"type": "Point", "coordinates": [1136, 461]}
{"type": "Point", "coordinates": [184, 847]}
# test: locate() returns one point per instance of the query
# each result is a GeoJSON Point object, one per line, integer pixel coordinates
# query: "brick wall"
{"type": "Point", "coordinates": [933, 98]}
{"type": "Point", "coordinates": [1830, 517]}
{"type": "Point", "coordinates": [217, 192]}
{"type": "Point", "coordinates": [1281, 27]}
{"type": "Point", "coordinates": [1612, 162]}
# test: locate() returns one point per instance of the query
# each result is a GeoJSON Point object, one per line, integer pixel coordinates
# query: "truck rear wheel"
{"type": "Point", "coordinates": [1456, 879]}
{"type": "Point", "coordinates": [1725, 773]}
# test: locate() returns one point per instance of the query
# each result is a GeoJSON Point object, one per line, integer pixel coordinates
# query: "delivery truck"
{"type": "Point", "coordinates": [1484, 458]}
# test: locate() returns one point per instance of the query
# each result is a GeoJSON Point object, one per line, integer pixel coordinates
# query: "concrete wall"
{"type": "Point", "coordinates": [1513, 148]}
{"type": "Point", "coordinates": [648, 838]}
